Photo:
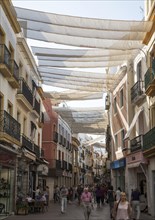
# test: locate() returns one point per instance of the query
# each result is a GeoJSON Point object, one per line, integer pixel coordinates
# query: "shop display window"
{"type": "Point", "coordinates": [6, 191]}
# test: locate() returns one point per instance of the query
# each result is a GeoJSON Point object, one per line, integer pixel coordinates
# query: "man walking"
{"type": "Point", "coordinates": [63, 194]}
{"type": "Point", "coordinates": [135, 201]}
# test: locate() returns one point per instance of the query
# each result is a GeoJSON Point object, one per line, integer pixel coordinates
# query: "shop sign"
{"type": "Point", "coordinates": [135, 157]}
{"type": "Point", "coordinates": [118, 163]}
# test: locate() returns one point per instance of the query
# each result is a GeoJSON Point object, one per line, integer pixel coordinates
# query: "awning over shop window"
{"type": "Point", "coordinates": [134, 165]}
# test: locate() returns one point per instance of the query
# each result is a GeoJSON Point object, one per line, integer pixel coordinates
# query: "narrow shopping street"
{"type": "Point", "coordinates": [74, 212]}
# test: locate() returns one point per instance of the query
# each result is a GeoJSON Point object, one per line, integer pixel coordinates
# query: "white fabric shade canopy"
{"type": "Point", "coordinates": [100, 42]}
{"type": "Point", "coordinates": [87, 120]}
{"type": "Point", "coordinates": [83, 81]}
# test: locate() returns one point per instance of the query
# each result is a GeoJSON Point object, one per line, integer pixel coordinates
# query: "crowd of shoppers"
{"type": "Point", "coordinates": [91, 196]}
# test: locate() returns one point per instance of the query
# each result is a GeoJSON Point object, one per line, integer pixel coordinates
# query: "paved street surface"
{"type": "Point", "coordinates": [74, 212]}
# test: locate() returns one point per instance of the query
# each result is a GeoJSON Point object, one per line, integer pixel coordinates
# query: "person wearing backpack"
{"type": "Point", "coordinates": [111, 199]}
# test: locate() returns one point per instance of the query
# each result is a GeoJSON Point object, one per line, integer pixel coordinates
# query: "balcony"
{"type": "Point", "coordinates": [42, 153]}
{"type": "Point", "coordinates": [5, 61]}
{"type": "Point", "coordinates": [14, 79]}
{"type": "Point", "coordinates": [41, 120]}
{"type": "Point", "coordinates": [36, 108]}
{"type": "Point", "coordinates": [24, 95]}
{"type": "Point", "coordinates": [9, 128]}
{"type": "Point", "coordinates": [60, 139]}
{"type": "Point", "coordinates": [136, 143]}
{"type": "Point", "coordinates": [137, 92]}
{"type": "Point", "coordinates": [150, 80]}
{"type": "Point", "coordinates": [36, 149]}
{"type": "Point", "coordinates": [55, 137]}
{"type": "Point", "coordinates": [149, 143]}
{"type": "Point", "coordinates": [70, 167]}
{"type": "Point", "coordinates": [27, 143]}
{"type": "Point", "coordinates": [55, 168]}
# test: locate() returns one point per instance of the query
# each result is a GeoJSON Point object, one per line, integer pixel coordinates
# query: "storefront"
{"type": "Point", "coordinates": [137, 172]}
{"type": "Point", "coordinates": [118, 173]}
{"type": "Point", "coordinates": [7, 180]}
{"type": "Point", "coordinates": [26, 177]}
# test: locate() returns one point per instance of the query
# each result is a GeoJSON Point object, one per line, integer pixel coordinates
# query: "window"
{"type": "Point", "coordinates": [59, 158]}
{"type": "Point", "coordinates": [116, 141]}
{"type": "Point", "coordinates": [121, 98]}
{"type": "Point", "coordinates": [115, 106]}
{"type": "Point", "coordinates": [39, 139]}
{"type": "Point", "coordinates": [24, 125]}
{"type": "Point", "coordinates": [122, 138]}
{"type": "Point", "coordinates": [139, 71]}
{"type": "Point", "coordinates": [26, 78]}
{"type": "Point", "coordinates": [10, 109]}
{"type": "Point", "coordinates": [1, 102]}
{"type": "Point", "coordinates": [18, 116]}
{"type": "Point", "coordinates": [2, 36]}
{"type": "Point", "coordinates": [11, 51]}
{"type": "Point", "coordinates": [152, 117]}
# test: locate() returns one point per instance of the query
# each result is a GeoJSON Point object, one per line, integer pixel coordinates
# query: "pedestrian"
{"type": "Point", "coordinates": [111, 199]}
{"type": "Point", "coordinates": [118, 193]}
{"type": "Point", "coordinates": [86, 199]}
{"type": "Point", "coordinates": [98, 196]}
{"type": "Point", "coordinates": [135, 202]}
{"type": "Point", "coordinates": [46, 193]}
{"type": "Point", "coordinates": [122, 208]}
{"type": "Point", "coordinates": [79, 193]}
{"type": "Point", "coordinates": [63, 195]}
{"type": "Point", "coordinates": [37, 193]}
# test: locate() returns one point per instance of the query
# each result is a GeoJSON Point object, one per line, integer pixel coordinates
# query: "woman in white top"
{"type": "Point", "coordinates": [122, 208]}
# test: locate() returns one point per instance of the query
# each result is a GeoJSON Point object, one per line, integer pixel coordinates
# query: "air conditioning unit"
{"type": "Point", "coordinates": [107, 102]}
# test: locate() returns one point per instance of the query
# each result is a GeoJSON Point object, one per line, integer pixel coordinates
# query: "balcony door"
{"type": "Point", "coordinates": [139, 71]}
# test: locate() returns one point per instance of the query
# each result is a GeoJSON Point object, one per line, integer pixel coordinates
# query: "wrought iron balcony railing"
{"type": "Point", "coordinates": [27, 143]}
{"type": "Point", "coordinates": [150, 75]}
{"type": "Point", "coordinates": [137, 90]}
{"type": "Point", "coordinates": [42, 153]}
{"type": "Point", "coordinates": [9, 125]}
{"type": "Point", "coordinates": [26, 91]}
{"type": "Point", "coordinates": [136, 143]}
{"type": "Point", "coordinates": [36, 106]}
{"type": "Point", "coordinates": [149, 139]}
{"type": "Point", "coordinates": [36, 149]}
{"type": "Point", "coordinates": [15, 70]}
{"type": "Point", "coordinates": [5, 56]}
{"type": "Point", "coordinates": [55, 137]}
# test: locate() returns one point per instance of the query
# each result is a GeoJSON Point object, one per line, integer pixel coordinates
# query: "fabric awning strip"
{"type": "Point", "coordinates": [84, 74]}
{"type": "Point", "coordinates": [79, 64]}
{"type": "Point", "coordinates": [82, 32]}
{"type": "Point", "coordinates": [133, 123]}
{"type": "Point", "coordinates": [76, 83]}
{"type": "Point", "coordinates": [74, 53]}
{"type": "Point", "coordinates": [80, 88]}
{"type": "Point", "coordinates": [88, 59]}
{"type": "Point", "coordinates": [83, 42]}
{"type": "Point", "coordinates": [73, 78]}
{"type": "Point", "coordinates": [90, 23]}
{"type": "Point", "coordinates": [73, 95]}
{"type": "Point", "coordinates": [102, 77]}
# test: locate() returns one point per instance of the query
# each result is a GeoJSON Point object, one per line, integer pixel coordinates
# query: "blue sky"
{"type": "Point", "coordinates": [110, 9]}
